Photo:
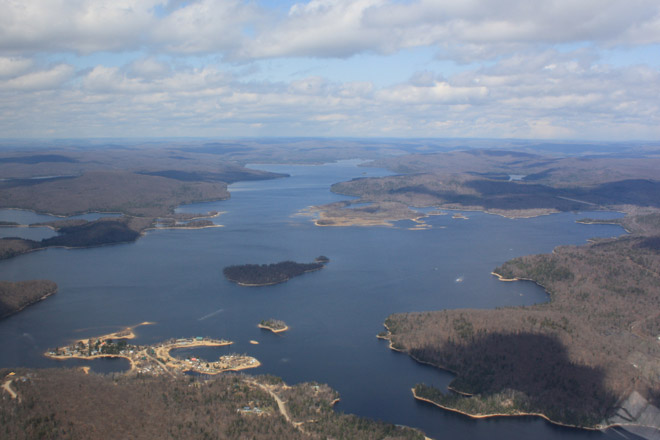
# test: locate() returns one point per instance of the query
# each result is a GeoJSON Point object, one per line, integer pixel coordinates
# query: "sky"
{"type": "Point", "coordinates": [562, 69]}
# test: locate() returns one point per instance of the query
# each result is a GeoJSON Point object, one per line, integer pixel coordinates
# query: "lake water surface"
{"type": "Point", "coordinates": [174, 278]}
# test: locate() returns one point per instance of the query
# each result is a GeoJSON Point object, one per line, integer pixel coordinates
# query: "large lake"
{"type": "Point", "coordinates": [174, 278]}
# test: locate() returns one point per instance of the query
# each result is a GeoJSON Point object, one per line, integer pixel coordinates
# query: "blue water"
{"type": "Point", "coordinates": [174, 277]}
{"type": "Point", "coordinates": [25, 218]}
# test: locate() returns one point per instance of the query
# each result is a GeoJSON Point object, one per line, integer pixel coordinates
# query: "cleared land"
{"type": "Point", "coordinates": [580, 359]}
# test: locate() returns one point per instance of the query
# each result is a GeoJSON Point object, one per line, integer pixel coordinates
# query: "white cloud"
{"type": "Point", "coordinates": [465, 30]}
{"type": "Point", "coordinates": [149, 68]}
{"type": "Point", "coordinates": [319, 28]}
{"type": "Point", "coordinates": [573, 99]}
{"type": "Point", "coordinates": [333, 117]}
{"type": "Point", "coordinates": [191, 81]}
{"type": "Point", "coordinates": [437, 93]}
{"type": "Point", "coordinates": [83, 26]}
{"type": "Point", "coordinates": [193, 68]}
{"type": "Point", "coordinates": [10, 67]}
{"type": "Point", "coordinates": [206, 26]}
{"type": "Point", "coordinates": [240, 29]}
{"type": "Point", "coordinates": [40, 80]}
{"type": "Point", "coordinates": [314, 85]}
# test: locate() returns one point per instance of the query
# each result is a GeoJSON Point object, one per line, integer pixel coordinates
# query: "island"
{"type": "Point", "coordinates": [269, 274]}
{"type": "Point", "coordinates": [154, 359]}
{"type": "Point", "coordinates": [15, 296]}
{"type": "Point", "coordinates": [274, 325]}
{"type": "Point", "coordinates": [588, 358]}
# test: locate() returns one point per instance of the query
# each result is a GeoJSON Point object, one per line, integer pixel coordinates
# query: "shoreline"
{"type": "Point", "coordinates": [125, 333]}
{"type": "Point", "coordinates": [273, 282]}
{"type": "Point", "coordinates": [520, 414]}
{"type": "Point", "coordinates": [480, 416]}
{"type": "Point", "coordinates": [242, 367]}
{"type": "Point", "coordinates": [31, 303]}
{"type": "Point", "coordinates": [190, 228]}
{"type": "Point", "coordinates": [507, 280]}
{"type": "Point", "coordinates": [75, 214]}
{"type": "Point", "coordinates": [419, 361]}
{"type": "Point", "coordinates": [151, 359]}
{"type": "Point", "coordinates": [349, 223]}
{"type": "Point", "coordinates": [595, 427]}
{"type": "Point", "coordinates": [344, 221]}
{"type": "Point", "coordinates": [258, 285]}
{"type": "Point", "coordinates": [605, 222]}
{"type": "Point", "coordinates": [280, 330]}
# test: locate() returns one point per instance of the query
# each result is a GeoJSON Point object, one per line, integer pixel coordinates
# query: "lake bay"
{"type": "Point", "coordinates": [174, 278]}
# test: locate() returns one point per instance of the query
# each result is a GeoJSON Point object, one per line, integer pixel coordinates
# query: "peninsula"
{"type": "Point", "coordinates": [153, 359]}
{"type": "Point", "coordinates": [269, 274]}
{"type": "Point", "coordinates": [15, 296]}
{"type": "Point", "coordinates": [588, 358]}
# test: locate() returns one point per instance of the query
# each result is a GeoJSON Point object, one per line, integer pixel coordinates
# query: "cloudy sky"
{"type": "Point", "coordinates": [574, 69]}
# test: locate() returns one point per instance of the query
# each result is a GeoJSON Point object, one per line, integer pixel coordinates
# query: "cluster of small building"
{"type": "Point", "coordinates": [250, 410]}
{"type": "Point", "coordinates": [156, 359]}
{"type": "Point", "coordinates": [224, 363]}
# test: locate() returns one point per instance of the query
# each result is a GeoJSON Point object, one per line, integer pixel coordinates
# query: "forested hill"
{"type": "Point", "coordinates": [585, 358]}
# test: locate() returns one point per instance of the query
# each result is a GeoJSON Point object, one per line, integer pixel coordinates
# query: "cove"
{"type": "Point", "coordinates": [174, 278]}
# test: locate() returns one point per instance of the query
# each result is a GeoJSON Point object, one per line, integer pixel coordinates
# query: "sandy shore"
{"type": "Point", "coordinates": [126, 333]}
{"type": "Point", "coordinates": [41, 298]}
{"type": "Point", "coordinates": [160, 228]}
{"type": "Point", "coordinates": [517, 414]}
{"type": "Point", "coordinates": [92, 357]}
{"type": "Point", "coordinates": [280, 330]}
{"type": "Point", "coordinates": [501, 278]}
{"type": "Point", "coordinates": [242, 367]}
{"type": "Point", "coordinates": [152, 358]}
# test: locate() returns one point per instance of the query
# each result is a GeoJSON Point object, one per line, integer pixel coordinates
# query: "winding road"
{"type": "Point", "coordinates": [7, 387]}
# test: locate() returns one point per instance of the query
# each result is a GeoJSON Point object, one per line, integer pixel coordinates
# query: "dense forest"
{"type": "Point", "coordinates": [228, 406]}
{"type": "Point", "coordinates": [96, 233]}
{"type": "Point", "coordinates": [79, 234]}
{"type": "Point", "coordinates": [571, 359]}
{"type": "Point", "coordinates": [274, 273]}
{"type": "Point", "coordinates": [15, 296]}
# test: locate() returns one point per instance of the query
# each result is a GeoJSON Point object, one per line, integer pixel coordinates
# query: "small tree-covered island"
{"type": "Point", "coordinates": [274, 273]}
{"type": "Point", "coordinates": [273, 325]}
